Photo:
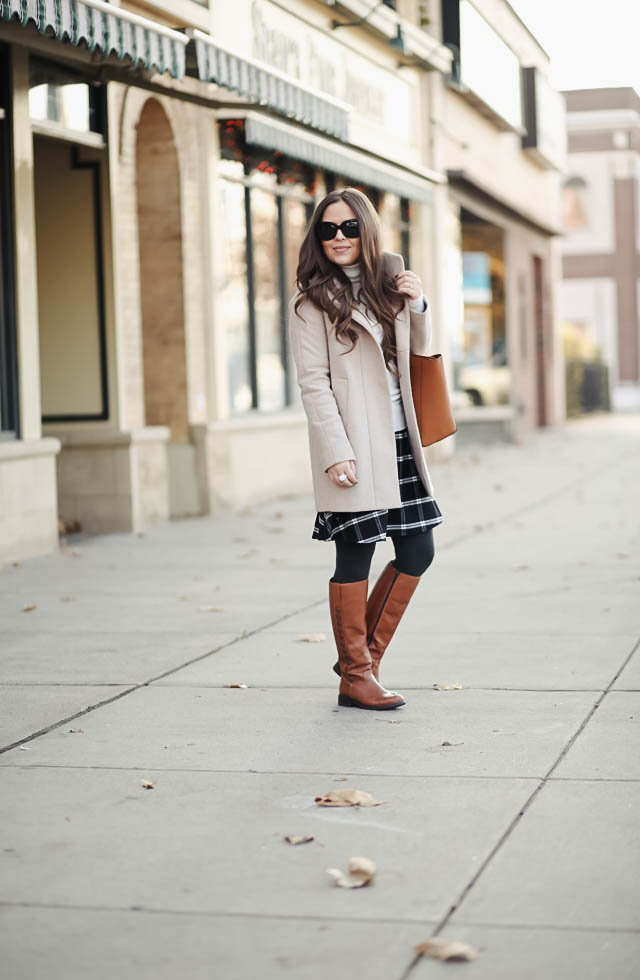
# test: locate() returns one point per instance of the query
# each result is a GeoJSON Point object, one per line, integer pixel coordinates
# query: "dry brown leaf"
{"type": "Point", "coordinates": [299, 840]}
{"type": "Point", "coordinates": [147, 784]}
{"type": "Point", "coordinates": [210, 609]}
{"type": "Point", "coordinates": [236, 684]}
{"type": "Point", "coordinates": [77, 731]}
{"type": "Point", "coordinates": [447, 949]}
{"type": "Point", "coordinates": [360, 872]}
{"type": "Point", "coordinates": [312, 638]}
{"type": "Point", "coordinates": [347, 797]}
{"type": "Point", "coordinates": [29, 607]}
{"type": "Point", "coordinates": [447, 687]}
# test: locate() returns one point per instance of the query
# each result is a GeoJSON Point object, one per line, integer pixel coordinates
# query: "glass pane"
{"type": "Point", "coordinates": [231, 292]}
{"type": "Point", "coordinates": [481, 369]}
{"type": "Point", "coordinates": [59, 96]}
{"type": "Point", "coordinates": [391, 220]}
{"type": "Point", "coordinates": [264, 220]}
{"type": "Point", "coordinates": [295, 227]}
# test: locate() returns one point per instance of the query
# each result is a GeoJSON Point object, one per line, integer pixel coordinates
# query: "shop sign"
{"type": "Point", "coordinates": [488, 66]}
{"type": "Point", "coordinates": [545, 122]}
{"type": "Point", "coordinates": [379, 99]}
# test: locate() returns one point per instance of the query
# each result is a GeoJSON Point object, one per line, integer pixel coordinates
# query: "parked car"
{"type": "Point", "coordinates": [487, 384]}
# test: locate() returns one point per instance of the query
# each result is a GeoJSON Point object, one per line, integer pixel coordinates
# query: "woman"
{"type": "Point", "coordinates": [356, 315]}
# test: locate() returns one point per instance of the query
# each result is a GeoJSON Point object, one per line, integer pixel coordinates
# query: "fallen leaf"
{"type": "Point", "coordinates": [360, 871]}
{"type": "Point", "coordinates": [453, 743]}
{"type": "Point", "coordinates": [24, 748]}
{"type": "Point", "coordinates": [347, 797]}
{"type": "Point", "coordinates": [236, 684]}
{"type": "Point", "coordinates": [446, 949]}
{"type": "Point", "coordinates": [299, 840]}
{"type": "Point", "coordinates": [29, 607]}
{"type": "Point", "coordinates": [75, 731]}
{"type": "Point", "coordinates": [210, 609]}
{"type": "Point", "coordinates": [278, 515]}
{"type": "Point", "coordinates": [340, 779]}
{"type": "Point", "coordinates": [147, 784]}
{"type": "Point", "coordinates": [447, 687]}
{"type": "Point", "coordinates": [312, 638]}
{"type": "Point", "coordinates": [250, 553]}
{"type": "Point", "coordinates": [15, 564]}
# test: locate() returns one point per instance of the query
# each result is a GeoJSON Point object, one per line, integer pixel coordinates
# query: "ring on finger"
{"type": "Point", "coordinates": [342, 478]}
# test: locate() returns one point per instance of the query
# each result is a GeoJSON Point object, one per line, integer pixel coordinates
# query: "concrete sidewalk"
{"type": "Point", "coordinates": [511, 814]}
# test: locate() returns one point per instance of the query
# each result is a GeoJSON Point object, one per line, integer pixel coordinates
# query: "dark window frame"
{"type": "Point", "coordinates": [9, 385]}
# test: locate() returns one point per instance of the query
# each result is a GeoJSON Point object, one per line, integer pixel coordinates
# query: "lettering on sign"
{"type": "Point", "coordinates": [321, 65]}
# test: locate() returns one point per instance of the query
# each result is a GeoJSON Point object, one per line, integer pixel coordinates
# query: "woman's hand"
{"type": "Point", "coordinates": [409, 283]}
{"type": "Point", "coordinates": [346, 469]}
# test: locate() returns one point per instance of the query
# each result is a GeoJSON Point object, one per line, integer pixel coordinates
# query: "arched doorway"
{"type": "Point", "coordinates": [162, 299]}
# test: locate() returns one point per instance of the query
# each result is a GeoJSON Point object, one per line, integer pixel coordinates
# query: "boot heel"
{"type": "Point", "coordinates": [336, 668]}
{"type": "Point", "coordinates": [345, 701]}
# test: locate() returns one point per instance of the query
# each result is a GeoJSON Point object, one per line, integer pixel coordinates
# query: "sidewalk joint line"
{"type": "Point", "coordinates": [518, 817]}
{"type": "Point", "coordinates": [147, 683]}
{"type": "Point", "coordinates": [286, 916]}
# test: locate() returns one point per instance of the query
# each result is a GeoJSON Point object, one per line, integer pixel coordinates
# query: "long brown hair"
{"type": "Point", "coordinates": [325, 284]}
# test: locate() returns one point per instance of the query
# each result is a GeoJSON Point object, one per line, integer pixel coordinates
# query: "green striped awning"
{"type": "Point", "coordinates": [102, 27]}
{"type": "Point", "coordinates": [354, 165]}
{"type": "Point", "coordinates": [263, 85]}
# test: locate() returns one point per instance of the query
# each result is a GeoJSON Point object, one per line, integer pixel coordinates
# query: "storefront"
{"type": "Point", "coordinates": [504, 153]}
{"type": "Point", "coordinates": [159, 187]}
{"type": "Point", "coordinates": [58, 363]}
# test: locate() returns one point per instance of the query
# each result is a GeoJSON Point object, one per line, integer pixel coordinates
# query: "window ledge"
{"type": "Point", "coordinates": [26, 449]}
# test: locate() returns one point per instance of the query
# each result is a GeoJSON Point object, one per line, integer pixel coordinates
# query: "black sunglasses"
{"type": "Point", "coordinates": [327, 230]}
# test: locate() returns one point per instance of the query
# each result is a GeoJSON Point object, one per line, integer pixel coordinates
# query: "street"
{"type": "Point", "coordinates": [510, 806]}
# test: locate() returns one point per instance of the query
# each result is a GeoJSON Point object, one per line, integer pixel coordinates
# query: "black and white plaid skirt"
{"type": "Point", "coordinates": [417, 512]}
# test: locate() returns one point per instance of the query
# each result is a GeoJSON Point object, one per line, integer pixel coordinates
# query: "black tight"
{"type": "Point", "coordinates": [414, 554]}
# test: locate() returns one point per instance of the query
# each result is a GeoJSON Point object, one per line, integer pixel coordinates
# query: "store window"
{"type": "Point", "coordinates": [575, 210]}
{"type": "Point", "coordinates": [63, 100]}
{"type": "Point", "coordinates": [265, 202]}
{"type": "Point", "coordinates": [395, 218]}
{"type": "Point", "coordinates": [481, 368]}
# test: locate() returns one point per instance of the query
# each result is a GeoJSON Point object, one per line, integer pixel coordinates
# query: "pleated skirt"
{"type": "Point", "coordinates": [417, 512]}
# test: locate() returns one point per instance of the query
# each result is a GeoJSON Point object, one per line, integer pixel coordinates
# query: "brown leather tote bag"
{"type": "Point", "coordinates": [431, 398]}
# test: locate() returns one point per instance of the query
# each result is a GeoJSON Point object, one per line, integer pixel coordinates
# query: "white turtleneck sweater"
{"type": "Point", "coordinates": [417, 306]}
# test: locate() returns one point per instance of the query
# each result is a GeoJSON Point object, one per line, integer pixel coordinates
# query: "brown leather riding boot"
{"type": "Point", "coordinates": [389, 598]}
{"type": "Point", "coordinates": [385, 607]}
{"type": "Point", "coordinates": [358, 686]}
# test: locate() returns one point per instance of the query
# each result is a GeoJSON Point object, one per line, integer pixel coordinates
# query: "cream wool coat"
{"type": "Point", "coordinates": [347, 403]}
